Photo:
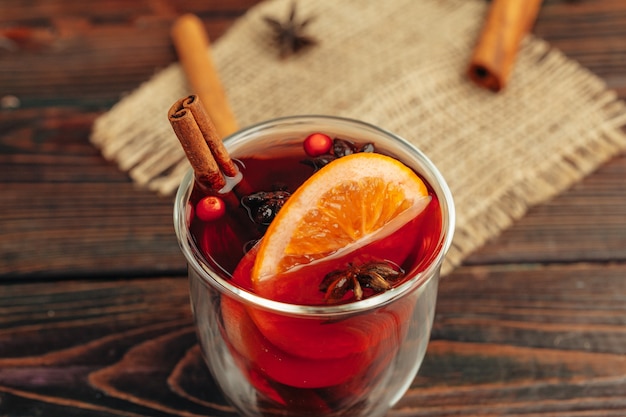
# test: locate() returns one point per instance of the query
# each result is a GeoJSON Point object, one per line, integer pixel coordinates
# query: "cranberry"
{"type": "Point", "coordinates": [210, 208]}
{"type": "Point", "coordinates": [317, 144]}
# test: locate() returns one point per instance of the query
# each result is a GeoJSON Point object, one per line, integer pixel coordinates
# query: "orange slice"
{"type": "Point", "coordinates": [352, 201]}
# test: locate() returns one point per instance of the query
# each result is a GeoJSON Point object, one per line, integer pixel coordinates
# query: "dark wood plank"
{"type": "Point", "coordinates": [584, 224]}
{"type": "Point", "coordinates": [506, 341]}
{"type": "Point", "coordinates": [66, 211]}
{"type": "Point", "coordinates": [526, 341]}
{"type": "Point", "coordinates": [70, 53]}
{"type": "Point", "coordinates": [590, 32]}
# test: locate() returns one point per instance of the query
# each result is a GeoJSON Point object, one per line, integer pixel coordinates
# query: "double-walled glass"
{"type": "Point", "coordinates": [272, 375]}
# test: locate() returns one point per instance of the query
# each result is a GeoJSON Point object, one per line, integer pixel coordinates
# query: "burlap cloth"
{"type": "Point", "coordinates": [399, 64]}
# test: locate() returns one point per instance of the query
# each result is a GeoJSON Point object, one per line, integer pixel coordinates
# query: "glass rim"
{"type": "Point", "coordinates": [196, 261]}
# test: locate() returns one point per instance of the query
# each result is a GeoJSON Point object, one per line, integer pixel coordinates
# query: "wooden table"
{"type": "Point", "coordinates": [94, 311]}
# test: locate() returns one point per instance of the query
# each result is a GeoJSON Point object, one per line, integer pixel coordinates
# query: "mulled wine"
{"type": "Point", "coordinates": [270, 180]}
{"type": "Point", "coordinates": [335, 332]}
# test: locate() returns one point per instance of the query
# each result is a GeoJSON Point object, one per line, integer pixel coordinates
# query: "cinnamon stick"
{"type": "Point", "coordinates": [193, 48]}
{"type": "Point", "coordinates": [205, 167]}
{"type": "Point", "coordinates": [211, 136]}
{"type": "Point", "coordinates": [493, 57]}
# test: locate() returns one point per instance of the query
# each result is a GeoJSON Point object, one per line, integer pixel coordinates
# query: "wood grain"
{"type": "Point", "coordinates": [94, 311]}
{"type": "Point", "coordinates": [585, 224]}
{"type": "Point", "coordinates": [502, 339]}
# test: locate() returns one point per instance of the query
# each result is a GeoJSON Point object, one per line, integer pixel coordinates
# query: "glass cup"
{"type": "Point", "coordinates": [276, 359]}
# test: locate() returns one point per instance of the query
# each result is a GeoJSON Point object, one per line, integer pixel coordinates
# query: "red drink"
{"type": "Point", "coordinates": [225, 241]}
{"type": "Point", "coordinates": [352, 361]}
{"type": "Point", "coordinates": [310, 364]}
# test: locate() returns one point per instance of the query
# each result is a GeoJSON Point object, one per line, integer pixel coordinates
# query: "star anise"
{"type": "Point", "coordinates": [289, 35]}
{"type": "Point", "coordinates": [376, 276]}
{"type": "Point", "coordinates": [319, 161]}
{"type": "Point", "coordinates": [342, 147]}
{"type": "Point", "coordinates": [263, 206]}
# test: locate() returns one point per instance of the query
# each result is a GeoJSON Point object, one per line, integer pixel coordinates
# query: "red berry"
{"type": "Point", "coordinates": [210, 208]}
{"type": "Point", "coordinates": [317, 144]}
